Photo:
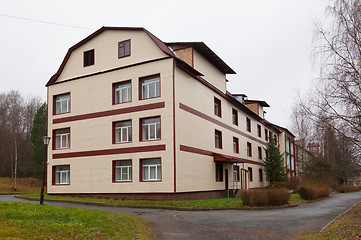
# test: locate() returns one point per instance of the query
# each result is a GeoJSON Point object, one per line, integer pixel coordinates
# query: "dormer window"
{"type": "Point", "coordinates": [124, 49]}
{"type": "Point", "coordinates": [88, 58]}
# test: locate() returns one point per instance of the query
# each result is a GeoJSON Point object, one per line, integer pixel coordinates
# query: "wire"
{"type": "Point", "coordinates": [45, 22]}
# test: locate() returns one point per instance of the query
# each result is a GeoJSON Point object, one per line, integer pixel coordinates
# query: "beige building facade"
{"type": "Point", "coordinates": [132, 117]}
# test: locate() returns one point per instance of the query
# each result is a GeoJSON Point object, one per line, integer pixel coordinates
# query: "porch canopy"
{"type": "Point", "coordinates": [226, 159]}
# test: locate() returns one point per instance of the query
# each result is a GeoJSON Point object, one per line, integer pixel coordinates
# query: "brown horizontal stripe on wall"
{"type": "Point", "coordinates": [110, 112]}
{"type": "Point", "coordinates": [110, 151]}
{"type": "Point", "coordinates": [219, 123]}
{"type": "Point", "coordinates": [209, 153]}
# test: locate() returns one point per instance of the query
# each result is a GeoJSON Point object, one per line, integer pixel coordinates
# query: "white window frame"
{"type": "Point", "coordinates": [146, 86]}
{"type": "Point", "coordinates": [149, 127]}
{"type": "Point", "coordinates": [148, 167]}
{"type": "Point", "coordinates": [128, 169]}
{"type": "Point", "coordinates": [123, 89]}
{"type": "Point", "coordinates": [235, 143]}
{"type": "Point", "coordinates": [59, 103]}
{"type": "Point", "coordinates": [62, 137]}
{"type": "Point", "coordinates": [128, 134]}
{"type": "Point", "coordinates": [61, 176]}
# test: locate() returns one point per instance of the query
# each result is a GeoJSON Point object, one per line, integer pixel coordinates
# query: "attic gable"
{"type": "Point", "coordinates": [77, 50]}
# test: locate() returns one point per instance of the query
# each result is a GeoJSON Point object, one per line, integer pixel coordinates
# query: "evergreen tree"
{"type": "Point", "coordinates": [274, 164]}
{"type": "Point", "coordinates": [38, 130]}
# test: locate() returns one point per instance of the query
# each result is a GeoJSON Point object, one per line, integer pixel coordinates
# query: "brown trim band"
{"type": "Point", "coordinates": [110, 112]}
{"type": "Point", "coordinates": [219, 123]}
{"type": "Point", "coordinates": [110, 151]}
{"type": "Point", "coordinates": [211, 154]}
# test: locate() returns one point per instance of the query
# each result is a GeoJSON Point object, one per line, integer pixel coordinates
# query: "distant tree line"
{"type": "Point", "coordinates": [331, 114]}
{"type": "Point", "coordinates": [19, 136]}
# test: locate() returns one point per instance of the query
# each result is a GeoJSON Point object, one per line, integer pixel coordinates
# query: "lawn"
{"type": "Point", "coordinates": [30, 221]}
{"type": "Point", "coordinates": [348, 226]}
{"type": "Point", "coordinates": [23, 185]}
{"type": "Point", "coordinates": [198, 204]}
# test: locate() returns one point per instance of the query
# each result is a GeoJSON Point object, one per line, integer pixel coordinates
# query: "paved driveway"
{"type": "Point", "coordinates": [234, 224]}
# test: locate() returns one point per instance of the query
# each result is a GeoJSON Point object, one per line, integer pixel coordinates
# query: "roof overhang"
{"type": "Point", "coordinates": [225, 159]}
{"type": "Point", "coordinates": [206, 52]}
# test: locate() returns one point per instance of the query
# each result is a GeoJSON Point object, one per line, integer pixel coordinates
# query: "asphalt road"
{"type": "Point", "coordinates": [233, 224]}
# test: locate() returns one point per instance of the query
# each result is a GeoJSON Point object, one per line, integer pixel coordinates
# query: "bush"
{"type": "Point", "coordinates": [311, 191]}
{"type": "Point", "coordinates": [265, 197]}
{"type": "Point", "coordinates": [347, 188]}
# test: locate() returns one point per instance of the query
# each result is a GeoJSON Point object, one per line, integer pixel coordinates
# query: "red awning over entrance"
{"type": "Point", "coordinates": [225, 158]}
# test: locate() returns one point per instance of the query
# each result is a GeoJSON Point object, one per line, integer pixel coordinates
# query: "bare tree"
{"type": "Point", "coordinates": [15, 104]}
{"type": "Point", "coordinates": [338, 93]}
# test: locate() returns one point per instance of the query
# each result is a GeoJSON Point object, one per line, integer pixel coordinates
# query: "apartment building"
{"type": "Point", "coordinates": [132, 117]}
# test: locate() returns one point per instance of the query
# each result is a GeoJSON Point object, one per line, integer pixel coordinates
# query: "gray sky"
{"type": "Point", "coordinates": [268, 43]}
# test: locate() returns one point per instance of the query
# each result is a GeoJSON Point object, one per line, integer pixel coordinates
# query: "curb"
{"type": "Point", "coordinates": [153, 207]}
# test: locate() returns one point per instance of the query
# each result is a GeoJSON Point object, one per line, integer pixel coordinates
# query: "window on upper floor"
{"type": "Point", "coordinates": [249, 149]}
{"type": "Point", "coordinates": [122, 131]}
{"type": "Point", "coordinates": [89, 58]}
{"type": "Point", "coordinates": [122, 171]}
{"type": "Point", "coordinates": [122, 92]}
{"type": "Point", "coordinates": [235, 145]}
{"type": "Point", "coordinates": [218, 139]}
{"type": "Point", "coordinates": [260, 153]}
{"type": "Point", "coordinates": [259, 129]}
{"type": "Point", "coordinates": [219, 172]}
{"type": "Point", "coordinates": [234, 116]}
{"type": "Point", "coordinates": [150, 87]}
{"type": "Point", "coordinates": [250, 174]}
{"type": "Point", "coordinates": [248, 124]}
{"type": "Point", "coordinates": [124, 49]}
{"type": "Point", "coordinates": [61, 175]}
{"type": "Point", "coordinates": [151, 169]}
{"type": "Point", "coordinates": [217, 107]}
{"type": "Point", "coordinates": [61, 138]}
{"type": "Point", "coordinates": [266, 134]}
{"type": "Point", "coordinates": [150, 129]}
{"type": "Point", "coordinates": [61, 103]}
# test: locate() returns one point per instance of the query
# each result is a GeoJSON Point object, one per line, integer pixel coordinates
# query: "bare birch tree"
{"type": "Point", "coordinates": [338, 94]}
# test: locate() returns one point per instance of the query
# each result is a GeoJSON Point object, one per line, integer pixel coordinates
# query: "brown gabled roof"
{"type": "Point", "coordinates": [206, 52]}
{"type": "Point", "coordinates": [156, 40]}
{"type": "Point", "coordinates": [282, 129]}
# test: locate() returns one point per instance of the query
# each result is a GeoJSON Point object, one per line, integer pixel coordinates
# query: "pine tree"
{"type": "Point", "coordinates": [38, 130]}
{"type": "Point", "coordinates": [274, 164]}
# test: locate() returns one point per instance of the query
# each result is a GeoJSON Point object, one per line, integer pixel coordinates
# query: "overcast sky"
{"type": "Point", "coordinates": [268, 43]}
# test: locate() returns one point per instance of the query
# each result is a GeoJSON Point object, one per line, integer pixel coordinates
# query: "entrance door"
{"type": "Point", "coordinates": [226, 178]}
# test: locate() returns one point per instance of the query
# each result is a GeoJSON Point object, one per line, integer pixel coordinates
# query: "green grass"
{"type": "Point", "coordinates": [207, 203]}
{"type": "Point", "coordinates": [296, 199]}
{"type": "Point", "coordinates": [348, 226]}
{"type": "Point", "coordinates": [23, 185]}
{"type": "Point", "coordinates": [30, 221]}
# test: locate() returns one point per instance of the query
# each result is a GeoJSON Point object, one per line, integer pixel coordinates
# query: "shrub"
{"type": "Point", "coordinates": [265, 197]}
{"type": "Point", "coordinates": [311, 191]}
{"type": "Point", "coordinates": [347, 188]}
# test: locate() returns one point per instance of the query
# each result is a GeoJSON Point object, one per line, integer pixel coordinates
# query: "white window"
{"type": "Point", "coordinates": [62, 103]}
{"type": "Point", "coordinates": [62, 174]}
{"type": "Point", "coordinates": [150, 87]}
{"type": "Point", "coordinates": [150, 128]}
{"type": "Point", "coordinates": [151, 169]}
{"type": "Point", "coordinates": [123, 131]}
{"type": "Point", "coordinates": [123, 170]}
{"type": "Point", "coordinates": [62, 138]}
{"type": "Point", "coordinates": [123, 92]}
